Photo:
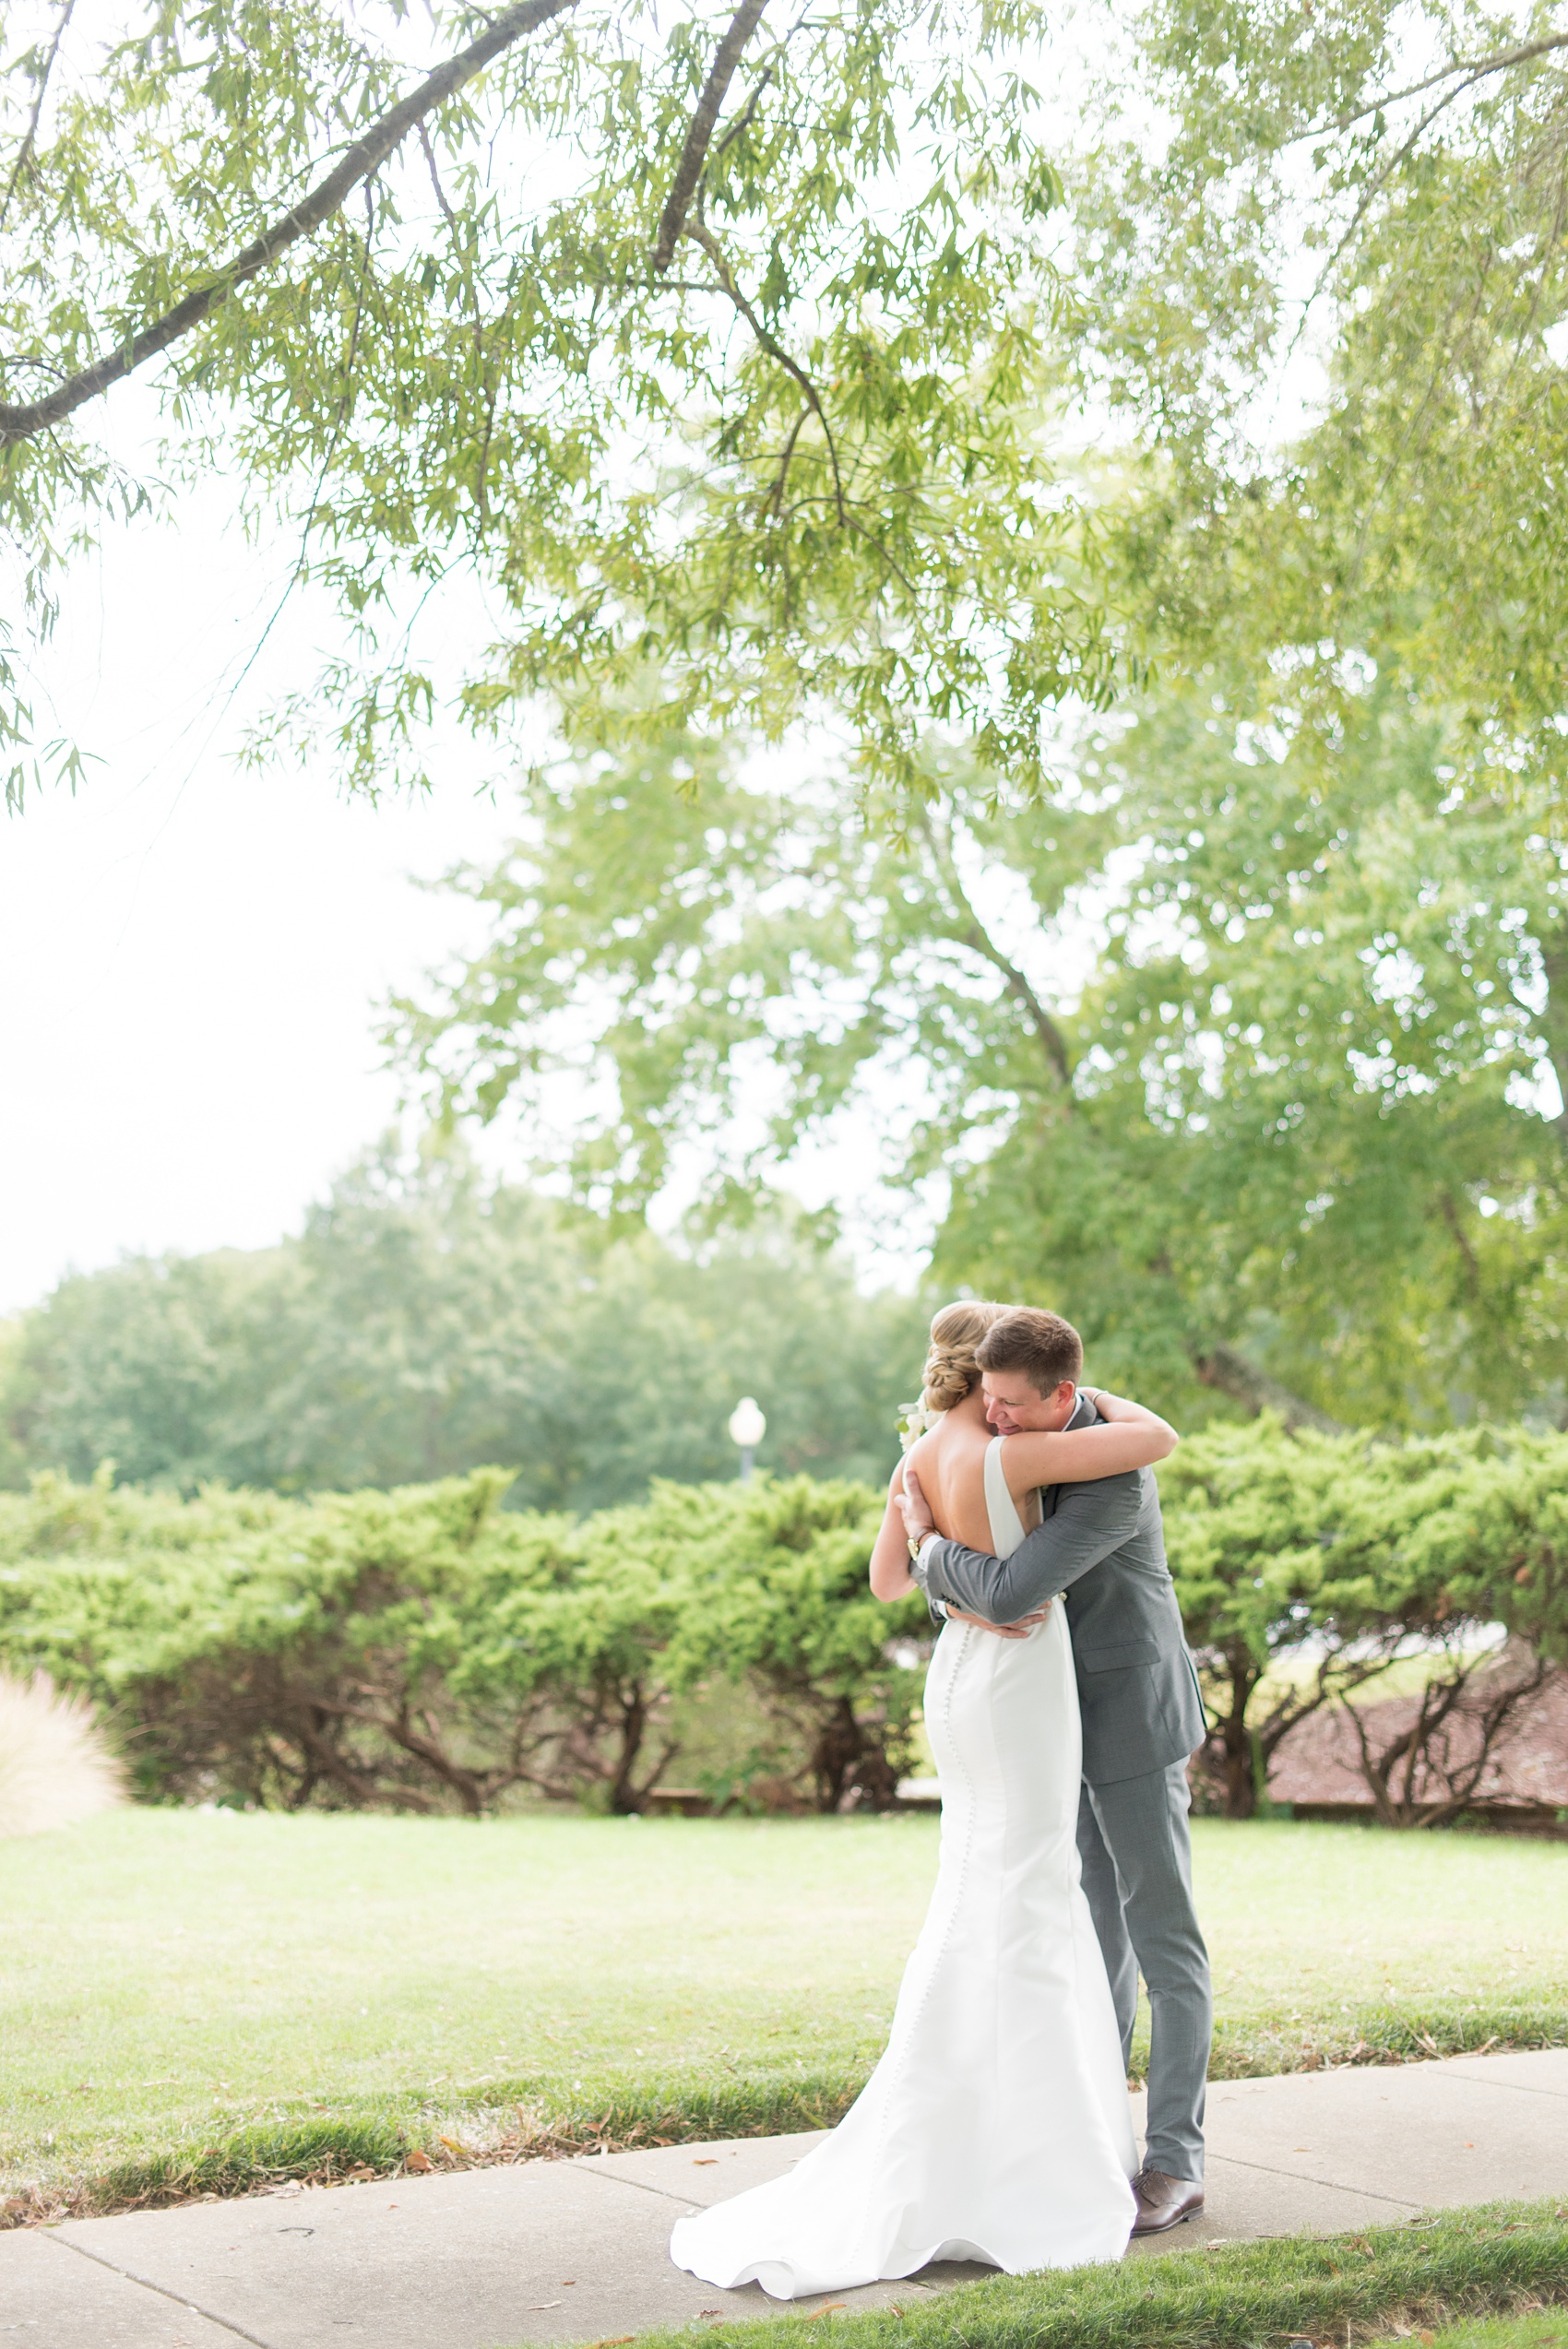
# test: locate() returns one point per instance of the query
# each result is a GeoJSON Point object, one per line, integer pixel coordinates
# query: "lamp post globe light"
{"type": "Point", "coordinates": [747, 1429]}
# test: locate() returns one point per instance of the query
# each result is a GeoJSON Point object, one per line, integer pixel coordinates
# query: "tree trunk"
{"type": "Point", "coordinates": [873, 1780]}
{"type": "Point", "coordinates": [1222, 1367]}
{"type": "Point", "coordinates": [839, 1746]}
{"type": "Point", "coordinates": [1231, 1749]}
{"type": "Point", "coordinates": [624, 1796]}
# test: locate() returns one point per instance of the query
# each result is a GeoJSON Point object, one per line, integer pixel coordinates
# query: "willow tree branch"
{"type": "Point", "coordinates": [29, 136]}
{"type": "Point", "coordinates": [742, 121]}
{"type": "Point", "coordinates": [700, 130]}
{"type": "Point", "coordinates": [770, 343]}
{"type": "Point", "coordinates": [366, 156]}
{"type": "Point", "coordinates": [1471, 68]}
{"type": "Point", "coordinates": [1380, 180]}
{"type": "Point", "coordinates": [776, 494]}
{"type": "Point", "coordinates": [970, 932]}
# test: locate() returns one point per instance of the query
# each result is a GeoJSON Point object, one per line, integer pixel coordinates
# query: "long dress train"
{"type": "Point", "coordinates": [996, 2125]}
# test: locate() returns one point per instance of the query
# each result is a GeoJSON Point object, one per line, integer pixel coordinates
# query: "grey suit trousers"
{"type": "Point", "coordinates": [1138, 1867]}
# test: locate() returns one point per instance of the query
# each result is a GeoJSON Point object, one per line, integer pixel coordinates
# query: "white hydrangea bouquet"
{"type": "Point", "coordinates": [914, 1420]}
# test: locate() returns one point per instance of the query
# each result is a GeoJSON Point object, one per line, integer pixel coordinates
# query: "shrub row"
{"type": "Point", "coordinates": [428, 1649]}
{"type": "Point", "coordinates": [1307, 1565]}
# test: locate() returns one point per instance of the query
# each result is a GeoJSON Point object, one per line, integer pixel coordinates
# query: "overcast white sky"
{"type": "Point", "coordinates": [191, 955]}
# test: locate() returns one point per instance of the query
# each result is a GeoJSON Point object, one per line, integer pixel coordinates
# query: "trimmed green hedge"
{"type": "Point", "coordinates": [429, 1650]}
{"type": "Point", "coordinates": [1351, 1545]}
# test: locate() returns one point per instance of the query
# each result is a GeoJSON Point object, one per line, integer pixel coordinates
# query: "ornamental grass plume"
{"type": "Point", "coordinates": [55, 1767]}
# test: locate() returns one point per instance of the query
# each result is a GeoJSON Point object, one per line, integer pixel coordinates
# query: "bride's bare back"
{"type": "Point", "coordinates": [950, 1463]}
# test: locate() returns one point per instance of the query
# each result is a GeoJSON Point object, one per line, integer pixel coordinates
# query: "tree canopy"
{"type": "Point", "coordinates": [711, 341]}
{"type": "Point", "coordinates": [1245, 1055]}
{"type": "Point", "coordinates": [1206, 930]}
{"type": "Point", "coordinates": [1330, 297]}
{"type": "Point", "coordinates": [1317, 1116]}
{"type": "Point", "coordinates": [727, 350]}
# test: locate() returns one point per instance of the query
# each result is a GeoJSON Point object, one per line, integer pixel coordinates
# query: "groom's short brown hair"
{"type": "Point", "coordinates": [1042, 1346]}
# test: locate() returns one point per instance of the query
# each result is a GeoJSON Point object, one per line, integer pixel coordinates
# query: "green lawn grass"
{"type": "Point", "coordinates": [1437, 2280]}
{"type": "Point", "coordinates": [1538, 2329]}
{"type": "Point", "coordinates": [191, 1997]}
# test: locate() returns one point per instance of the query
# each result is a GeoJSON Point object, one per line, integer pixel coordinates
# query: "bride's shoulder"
{"type": "Point", "coordinates": [923, 1450]}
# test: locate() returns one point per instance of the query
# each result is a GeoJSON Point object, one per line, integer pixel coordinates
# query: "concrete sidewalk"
{"type": "Point", "coordinates": [560, 2252]}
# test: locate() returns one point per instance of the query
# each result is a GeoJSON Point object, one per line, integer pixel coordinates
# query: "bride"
{"type": "Point", "coordinates": [996, 2125]}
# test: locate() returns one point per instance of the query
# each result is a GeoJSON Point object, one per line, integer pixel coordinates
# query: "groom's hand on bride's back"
{"type": "Point", "coordinates": [918, 1523]}
{"type": "Point", "coordinates": [918, 1519]}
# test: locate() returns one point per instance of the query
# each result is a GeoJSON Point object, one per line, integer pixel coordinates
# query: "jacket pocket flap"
{"type": "Point", "coordinates": [1118, 1658]}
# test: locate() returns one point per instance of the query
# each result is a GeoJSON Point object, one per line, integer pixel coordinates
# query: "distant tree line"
{"type": "Point", "coordinates": [426, 1323]}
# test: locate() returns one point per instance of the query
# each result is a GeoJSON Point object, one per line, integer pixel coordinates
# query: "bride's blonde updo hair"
{"type": "Point", "coordinates": [951, 1370]}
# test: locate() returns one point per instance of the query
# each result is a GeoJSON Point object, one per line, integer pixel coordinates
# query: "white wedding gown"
{"type": "Point", "coordinates": [996, 2125]}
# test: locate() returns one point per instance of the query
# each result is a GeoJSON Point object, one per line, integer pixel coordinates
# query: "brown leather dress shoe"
{"type": "Point", "coordinates": [1164, 2202]}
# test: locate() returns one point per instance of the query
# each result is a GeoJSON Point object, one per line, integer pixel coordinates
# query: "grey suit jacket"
{"type": "Point", "coordinates": [1101, 1551]}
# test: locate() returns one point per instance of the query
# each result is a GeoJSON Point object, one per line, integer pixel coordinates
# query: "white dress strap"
{"type": "Point", "coordinates": [1007, 1526]}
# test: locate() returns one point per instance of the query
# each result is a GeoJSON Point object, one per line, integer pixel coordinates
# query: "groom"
{"type": "Point", "coordinates": [1101, 1550]}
